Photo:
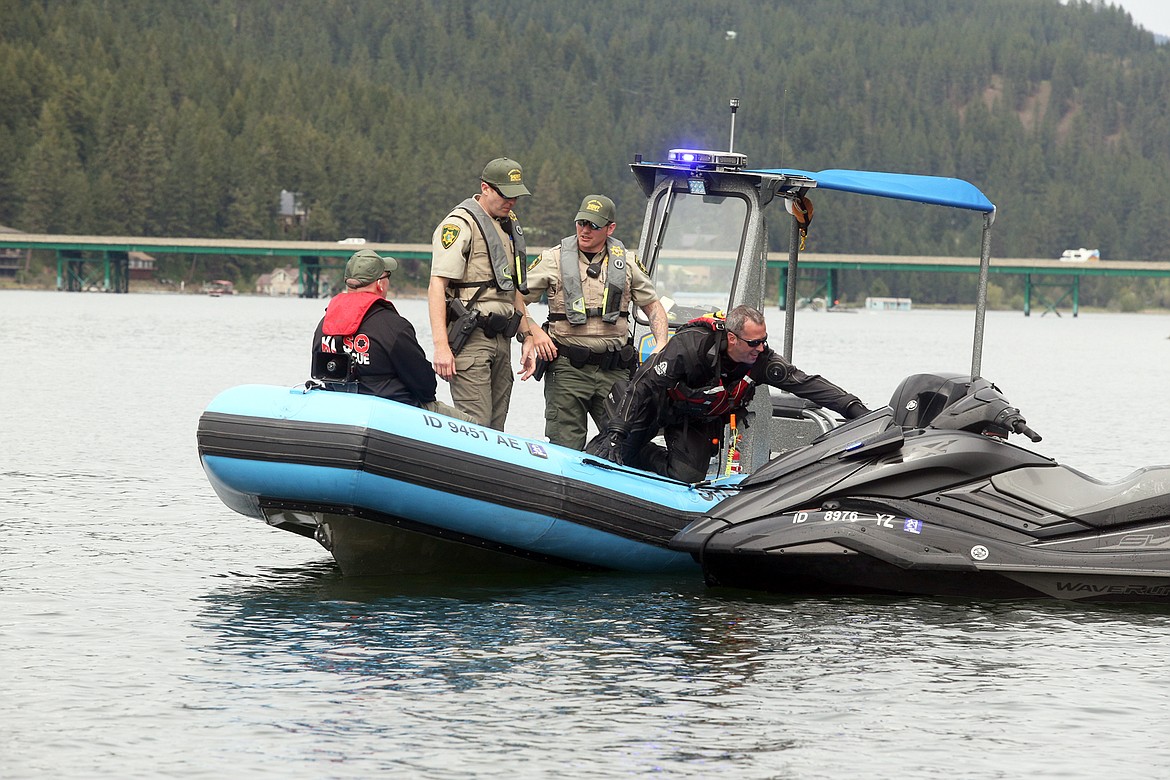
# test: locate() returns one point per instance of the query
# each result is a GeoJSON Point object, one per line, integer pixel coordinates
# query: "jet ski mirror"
{"type": "Point", "coordinates": [920, 398]}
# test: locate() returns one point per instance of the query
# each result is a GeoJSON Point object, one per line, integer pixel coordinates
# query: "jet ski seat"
{"type": "Point", "coordinates": [1143, 495]}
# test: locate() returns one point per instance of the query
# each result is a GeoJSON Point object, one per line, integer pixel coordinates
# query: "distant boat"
{"type": "Point", "coordinates": [219, 287]}
{"type": "Point", "coordinates": [887, 304]}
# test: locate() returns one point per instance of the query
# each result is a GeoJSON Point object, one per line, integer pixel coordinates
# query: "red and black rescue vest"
{"type": "Point", "coordinates": [715, 399]}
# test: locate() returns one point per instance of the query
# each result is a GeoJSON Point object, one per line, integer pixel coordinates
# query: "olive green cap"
{"type": "Point", "coordinates": [366, 266]}
{"type": "Point", "coordinates": [507, 176]}
{"type": "Point", "coordinates": [598, 209]}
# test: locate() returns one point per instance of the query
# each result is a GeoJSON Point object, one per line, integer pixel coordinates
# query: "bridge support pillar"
{"type": "Point", "coordinates": [824, 282]}
{"type": "Point", "coordinates": [311, 269]}
{"type": "Point", "coordinates": [1067, 289]}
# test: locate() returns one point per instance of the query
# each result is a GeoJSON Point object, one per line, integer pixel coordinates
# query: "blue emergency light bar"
{"type": "Point", "coordinates": [700, 159]}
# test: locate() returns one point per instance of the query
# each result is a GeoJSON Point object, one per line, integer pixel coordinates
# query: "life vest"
{"type": "Point", "coordinates": [713, 321]}
{"type": "Point", "coordinates": [345, 312]}
{"type": "Point", "coordinates": [510, 267]}
{"type": "Point", "coordinates": [569, 302]}
{"type": "Point", "coordinates": [714, 399]}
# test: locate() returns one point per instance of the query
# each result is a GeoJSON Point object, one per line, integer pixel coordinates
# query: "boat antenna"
{"type": "Point", "coordinates": [734, 107]}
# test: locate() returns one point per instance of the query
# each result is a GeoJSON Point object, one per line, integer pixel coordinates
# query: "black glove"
{"type": "Point", "coordinates": [609, 444]}
{"type": "Point", "coordinates": [614, 446]}
{"type": "Point", "coordinates": [854, 410]}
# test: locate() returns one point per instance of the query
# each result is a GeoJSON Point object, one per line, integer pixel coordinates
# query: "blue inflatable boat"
{"type": "Point", "coordinates": [389, 488]}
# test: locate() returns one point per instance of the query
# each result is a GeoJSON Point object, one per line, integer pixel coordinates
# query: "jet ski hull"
{"type": "Point", "coordinates": [841, 553]}
{"type": "Point", "coordinates": [927, 497]}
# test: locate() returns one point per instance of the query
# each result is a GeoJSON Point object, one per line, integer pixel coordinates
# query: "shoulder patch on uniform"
{"type": "Point", "coordinates": [638, 261]}
{"type": "Point", "coordinates": [660, 368]}
{"type": "Point", "coordinates": [535, 261]}
{"type": "Point", "coordinates": [449, 234]}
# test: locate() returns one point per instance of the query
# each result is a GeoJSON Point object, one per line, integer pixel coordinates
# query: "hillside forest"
{"type": "Point", "coordinates": [151, 118]}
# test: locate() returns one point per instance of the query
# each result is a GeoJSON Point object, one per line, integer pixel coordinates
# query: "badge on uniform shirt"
{"type": "Point", "coordinates": [449, 235]}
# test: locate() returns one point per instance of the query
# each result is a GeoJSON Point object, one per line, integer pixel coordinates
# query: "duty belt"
{"type": "Point", "coordinates": [621, 358]}
{"type": "Point", "coordinates": [560, 317]}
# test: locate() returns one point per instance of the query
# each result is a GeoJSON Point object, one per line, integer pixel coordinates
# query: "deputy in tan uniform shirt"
{"type": "Point", "coordinates": [478, 256]}
{"type": "Point", "coordinates": [588, 305]}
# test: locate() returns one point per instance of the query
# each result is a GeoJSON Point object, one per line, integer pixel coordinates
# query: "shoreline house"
{"type": "Point", "coordinates": [11, 259]}
{"type": "Point", "coordinates": [281, 282]}
{"type": "Point", "coordinates": [141, 266]}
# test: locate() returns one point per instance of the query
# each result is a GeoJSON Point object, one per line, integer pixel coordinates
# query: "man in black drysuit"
{"type": "Point", "coordinates": [689, 389]}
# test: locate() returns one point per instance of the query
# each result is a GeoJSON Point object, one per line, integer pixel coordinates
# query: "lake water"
{"type": "Point", "coordinates": [148, 631]}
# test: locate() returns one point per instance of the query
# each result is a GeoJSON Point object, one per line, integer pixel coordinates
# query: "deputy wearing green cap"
{"type": "Point", "coordinates": [478, 265]}
{"type": "Point", "coordinates": [385, 358]}
{"type": "Point", "coordinates": [591, 279]}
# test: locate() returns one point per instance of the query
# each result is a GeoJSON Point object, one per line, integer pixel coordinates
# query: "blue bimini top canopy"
{"type": "Point", "coordinates": [935, 190]}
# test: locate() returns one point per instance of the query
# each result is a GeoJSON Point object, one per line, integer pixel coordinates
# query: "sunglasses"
{"type": "Point", "coordinates": [753, 343]}
{"type": "Point", "coordinates": [496, 190]}
{"type": "Point", "coordinates": [588, 224]}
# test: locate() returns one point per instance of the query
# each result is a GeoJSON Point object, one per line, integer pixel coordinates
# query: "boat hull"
{"type": "Point", "coordinates": [390, 488]}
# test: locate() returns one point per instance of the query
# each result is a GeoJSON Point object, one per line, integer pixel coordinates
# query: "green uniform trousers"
{"type": "Point", "coordinates": [573, 395]}
{"type": "Point", "coordinates": [482, 385]}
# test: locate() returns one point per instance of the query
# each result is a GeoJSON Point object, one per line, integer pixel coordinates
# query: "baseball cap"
{"type": "Point", "coordinates": [506, 176]}
{"type": "Point", "coordinates": [598, 209]}
{"type": "Point", "coordinates": [366, 266]}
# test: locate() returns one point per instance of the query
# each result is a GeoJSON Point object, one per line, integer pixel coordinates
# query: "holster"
{"type": "Point", "coordinates": [541, 367]}
{"type": "Point", "coordinates": [461, 321]}
{"type": "Point", "coordinates": [496, 324]}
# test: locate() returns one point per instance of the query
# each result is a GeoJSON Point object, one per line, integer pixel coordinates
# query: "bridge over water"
{"type": "Point", "coordinates": [102, 262]}
{"type": "Point", "coordinates": [1040, 275]}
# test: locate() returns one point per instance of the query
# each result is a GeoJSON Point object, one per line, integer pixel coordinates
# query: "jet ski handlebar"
{"type": "Point", "coordinates": [957, 402]}
{"type": "Point", "coordinates": [1021, 427]}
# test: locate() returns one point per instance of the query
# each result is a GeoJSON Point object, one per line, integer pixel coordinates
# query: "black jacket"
{"type": "Point", "coordinates": [388, 359]}
{"type": "Point", "coordinates": [686, 377]}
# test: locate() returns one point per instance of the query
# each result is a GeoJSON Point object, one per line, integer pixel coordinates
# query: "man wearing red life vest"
{"type": "Point", "coordinates": [689, 389]}
{"type": "Point", "coordinates": [385, 356]}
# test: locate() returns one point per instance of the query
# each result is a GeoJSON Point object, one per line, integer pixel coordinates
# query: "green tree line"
{"type": "Point", "coordinates": [145, 117]}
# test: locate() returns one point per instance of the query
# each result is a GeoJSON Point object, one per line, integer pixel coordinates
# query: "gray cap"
{"type": "Point", "coordinates": [507, 176]}
{"type": "Point", "coordinates": [598, 209]}
{"type": "Point", "coordinates": [366, 266]}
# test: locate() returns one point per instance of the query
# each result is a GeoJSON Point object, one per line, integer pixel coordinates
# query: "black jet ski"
{"type": "Point", "coordinates": [927, 497]}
